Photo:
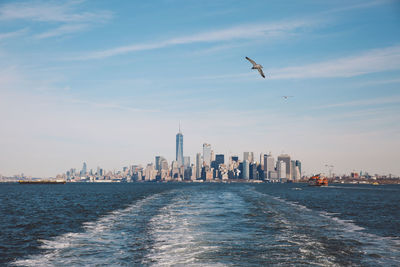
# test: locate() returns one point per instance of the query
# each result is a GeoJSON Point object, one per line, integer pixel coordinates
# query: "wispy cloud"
{"type": "Point", "coordinates": [377, 82]}
{"type": "Point", "coordinates": [242, 32]}
{"type": "Point", "coordinates": [62, 30]}
{"type": "Point", "coordinates": [361, 5]}
{"type": "Point", "coordinates": [49, 12]}
{"type": "Point", "coordinates": [376, 60]}
{"type": "Point", "coordinates": [65, 13]}
{"type": "Point", "coordinates": [108, 105]}
{"type": "Point", "coordinates": [13, 34]}
{"type": "Point", "coordinates": [364, 102]}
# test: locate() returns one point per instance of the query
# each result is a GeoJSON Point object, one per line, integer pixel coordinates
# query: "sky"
{"type": "Point", "coordinates": [108, 82]}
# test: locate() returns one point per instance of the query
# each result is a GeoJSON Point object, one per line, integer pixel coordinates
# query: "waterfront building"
{"type": "Point", "coordinates": [193, 172]}
{"type": "Point", "coordinates": [206, 173]}
{"type": "Point", "coordinates": [100, 172]}
{"type": "Point", "coordinates": [157, 162]}
{"type": "Point", "coordinates": [296, 173]}
{"type": "Point", "coordinates": [181, 175]}
{"type": "Point", "coordinates": [269, 165]}
{"type": "Point", "coordinates": [207, 154]}
{"type": "Point", "coordinates": [163, 164]}
{"type": "Point", "coordinates": [174, 170]}
{"type": "Point", "coordinates": [235, 158]}
{"type": "Point", "coordinates": [149, 172]}
{"type": "Point", "coordinates": [286, 158]}
{"type": "Point", "coordinates": [186, 162]}
{"type": "Point", "coordinates": [233, 163]}
{"type": "Point", "coordinates": [246, 171]}
{"type": "Point", "coordinates": [187, 172]}
{"type": "Point", "coordinates": [179, 147]}
{"type": "Point", "coordinates": [281, 168]}
{"type": "Point", "coordinates": [237, 173]}
{"type": "Point", "coordinates": [222, 172]}
{"type": "Point", "coordinates": [209, 174]}
{"type": "Point", "coordinates": [220, 159]}
{"type": "Point", "coordinates": [164, 175]}
{"type": "Point", "coordinates": [198, 165]}
{"type": "Point", "coordinates": [249, 156]}
{"type": "Point", "coordinates": [84, 169]}
{"type": "Point", "coordinates": [262, 161]}
{"type": "Point", "coordinates": [292, 169]}
{"type": "Point", "coordinates": [253, 171]}
{"type": "Point", "coordinates": [273, 176]}
{"type": "Point", "coordinates": [298, 165]}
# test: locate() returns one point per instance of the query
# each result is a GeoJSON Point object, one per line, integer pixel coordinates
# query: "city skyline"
{"type": "Point", "coordinates": [107, 83]}
{"type": "Point", "coordinates": [207, 167]}
{"type": "Point", "coordinates": [266, 159]}
{"type": "Point", "coordinates": [247, 168]}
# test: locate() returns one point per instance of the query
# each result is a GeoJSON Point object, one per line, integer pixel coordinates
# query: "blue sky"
{"type": "Point", "coordinates": [107, 82]}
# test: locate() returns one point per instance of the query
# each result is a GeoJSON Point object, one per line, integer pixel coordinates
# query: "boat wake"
{"type": "Point", "coordinates": [217, 225]}
{"type": "Point", "coordinates": [112, 240]}
{"type": "Point", "coordinates": [341, 241]}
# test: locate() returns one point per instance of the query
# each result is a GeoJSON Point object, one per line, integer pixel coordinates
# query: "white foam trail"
{"type": "Point", "coordinates": [102, 242]}
{"type": "Point", "coordinates": [387, 247]}
{"type": "Point", "coordinates": [303, 245]}
{"type": "Point", "coordinates": [183, 231]}
{"type": "Point", "coordinates": [348, 225]}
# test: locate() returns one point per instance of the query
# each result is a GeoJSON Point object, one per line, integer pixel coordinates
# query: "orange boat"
{"type": "Point", "coordinates": [318, 180]}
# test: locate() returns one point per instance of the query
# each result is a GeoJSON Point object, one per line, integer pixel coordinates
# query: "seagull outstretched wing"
{"type": "Point", "coordinates": [261, 72]}
{"type": "Point", "coordinates": [251, 61]}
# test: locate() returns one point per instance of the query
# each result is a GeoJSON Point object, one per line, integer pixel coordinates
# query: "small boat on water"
{"type": "Point", "coordinates": [42, 182]}
{"type": "Point", "coordinates": [375, 183]}
{"type": "Point", "coordinates": [318, 180]}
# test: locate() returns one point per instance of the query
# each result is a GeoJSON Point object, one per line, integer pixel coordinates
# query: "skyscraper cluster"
{"type": "Point", "coordinates": [208, 166]}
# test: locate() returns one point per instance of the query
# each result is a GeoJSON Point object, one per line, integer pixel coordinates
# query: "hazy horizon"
{"type": "Point", "coordinates": [107, 83]}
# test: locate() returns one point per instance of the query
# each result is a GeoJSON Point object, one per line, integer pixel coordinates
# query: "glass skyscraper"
{"type": "Point", "coordinates": [207, 154]}
{"type": "Point", "coordinates": [199, 165]}
{"type": "Point", "coordinates": [286, 158]}
{"type": "Point", "coordinates": [84, 169]}
{"type": "Point", "coordinates": [179, 148]}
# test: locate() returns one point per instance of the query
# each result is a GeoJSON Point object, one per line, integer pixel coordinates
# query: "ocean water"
{"type": "Point", "coordinates": [199, 225]}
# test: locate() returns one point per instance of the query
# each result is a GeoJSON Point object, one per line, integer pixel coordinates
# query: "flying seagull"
{"type": "Point", "coordinates": [256, 67]}
{"type": "Point", "coordinates": [286, 96]}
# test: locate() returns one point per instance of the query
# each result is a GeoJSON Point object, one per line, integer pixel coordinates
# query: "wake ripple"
{"type": "Point", "coordinates": [217, 225]}
{"type": "Point", "coordinates": [326, 237]}
{"type": "Point", "coordinates": [113, 240]}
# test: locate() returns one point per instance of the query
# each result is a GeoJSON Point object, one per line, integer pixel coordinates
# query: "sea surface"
{"type": "Point", "coordinates": [177, 224]}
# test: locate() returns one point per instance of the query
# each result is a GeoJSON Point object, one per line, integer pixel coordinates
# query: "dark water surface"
{"type": "Point", "coordinates": [199, 225]}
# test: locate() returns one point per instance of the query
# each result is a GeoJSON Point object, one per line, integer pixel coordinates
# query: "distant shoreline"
{"type": "Point", "coordinates": [331, 181]}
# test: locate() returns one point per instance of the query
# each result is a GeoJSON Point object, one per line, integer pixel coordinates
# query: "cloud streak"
{"type": "Point", "coordinates": [364, 102]}
{"type": "Point", "coordinates": [49, 12]}
{"type": "Point", "coordinates": [109, 105]}
{"type": "Point", "coordinates": [13, 34]}
{"type": "Point", "coordinates": [372, 61]}
{"type": "Point", "coordinates": [242, 32]}
{"type": "Point", "coordinates": [64, 13]}
{"type": "Point", "coordinates": [62, 30]}
{"type": "Point", "coordinates": [360, 6]}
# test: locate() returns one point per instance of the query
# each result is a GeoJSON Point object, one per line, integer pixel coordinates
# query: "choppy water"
{"type": "Point", "coordinates": [199, 225]}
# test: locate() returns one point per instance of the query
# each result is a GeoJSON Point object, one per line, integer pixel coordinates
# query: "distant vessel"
{"type": "Point", "coordinates": [42, 182]}
{"type": "Point", "coordinates": [318, 180]}
{"type": "Point", "coordinates": [375, 183]}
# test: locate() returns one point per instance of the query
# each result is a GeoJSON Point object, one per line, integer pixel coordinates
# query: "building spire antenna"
{"type": "Point", "coordinates": [179, 126]}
